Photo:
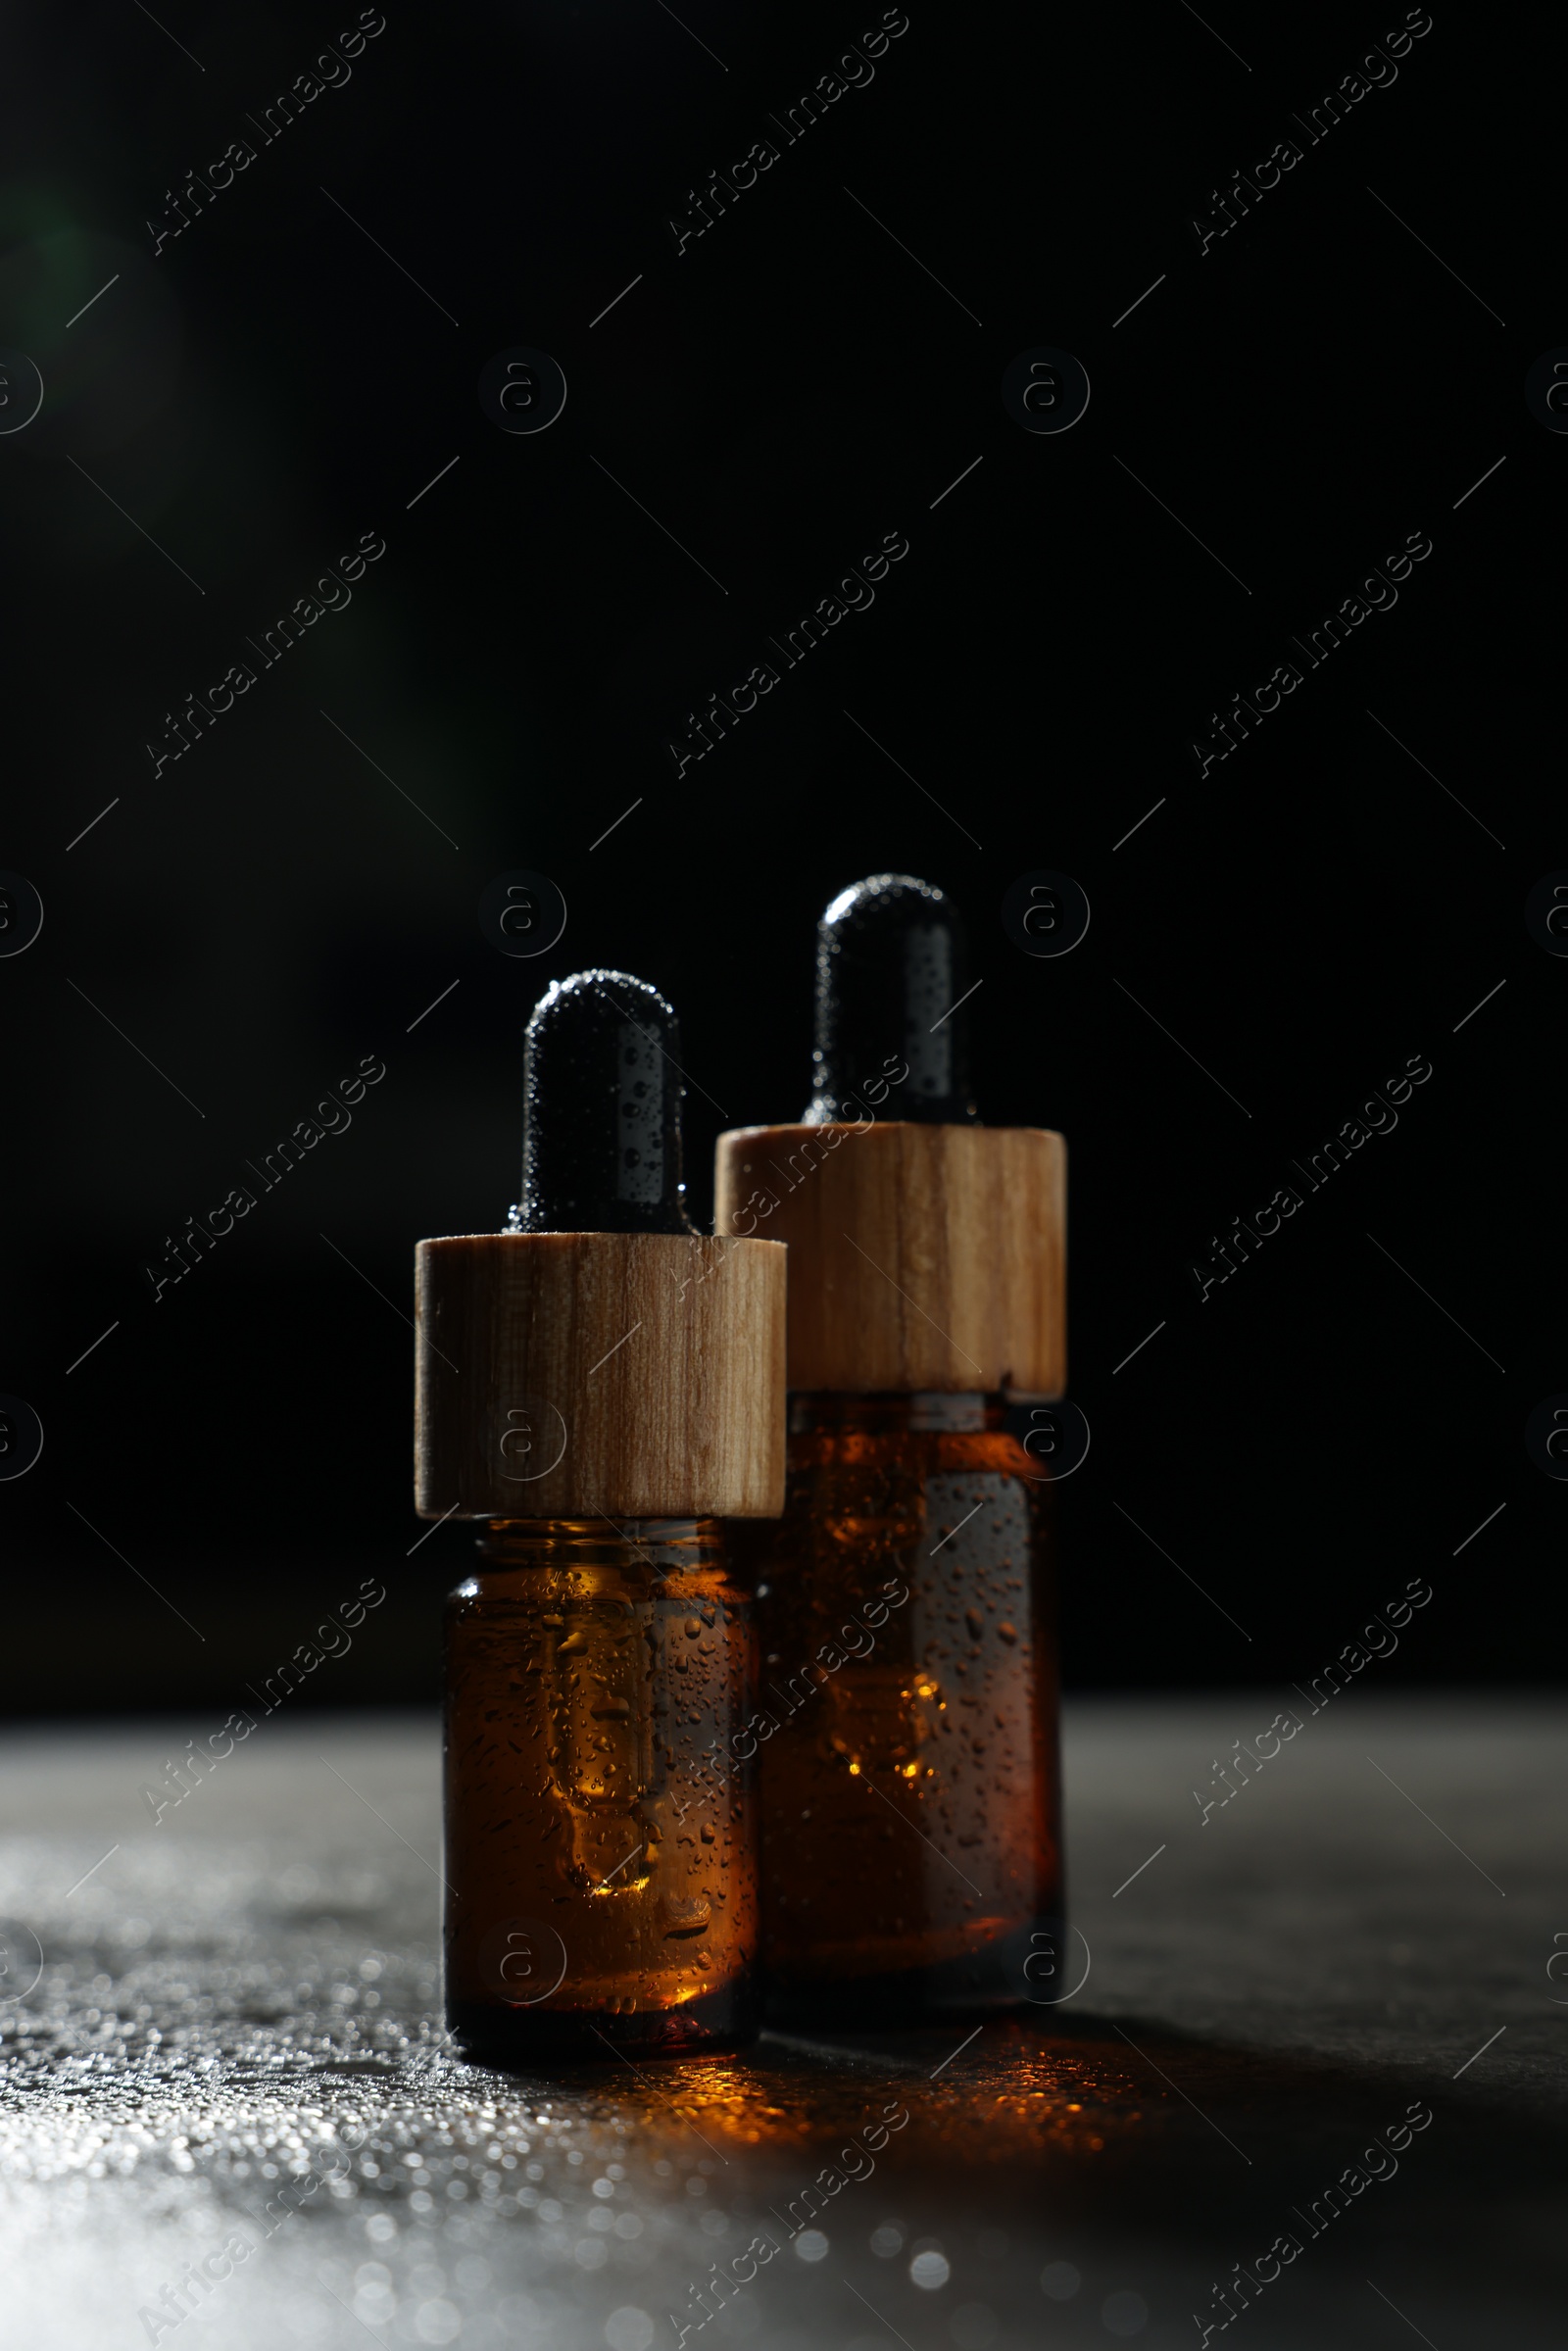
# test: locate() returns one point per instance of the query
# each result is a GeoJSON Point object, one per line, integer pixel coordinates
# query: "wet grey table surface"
{"type": "Point", "coordinates": [242, 2000]}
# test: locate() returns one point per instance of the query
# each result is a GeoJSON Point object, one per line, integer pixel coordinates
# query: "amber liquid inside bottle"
{"type": "Point", "coordinates": [907, 1723]}
{"type": "Point", "coordinates": [600, 1834]}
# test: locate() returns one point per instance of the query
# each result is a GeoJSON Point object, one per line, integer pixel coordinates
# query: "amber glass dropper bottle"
{"type": "Point", "coordinates": [906, 1717]}
{"type": "Point", "coordinates": [600, 1386]}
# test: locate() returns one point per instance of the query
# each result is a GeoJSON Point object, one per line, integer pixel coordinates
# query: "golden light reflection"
{"type": "Point", "coordinates": [1018, 2095]}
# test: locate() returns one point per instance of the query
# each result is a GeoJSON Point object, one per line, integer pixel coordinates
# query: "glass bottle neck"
{"type": "Point", "coordinates": [668, 1545]}
{"type": "Point", "coordinates": [889, 1413]}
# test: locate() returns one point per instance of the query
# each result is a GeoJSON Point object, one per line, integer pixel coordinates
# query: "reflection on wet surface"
{"type": "Point", "coordinates": [227, 2107]}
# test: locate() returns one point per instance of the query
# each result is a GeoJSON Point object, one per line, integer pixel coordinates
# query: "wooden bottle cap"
{"type": "Point", "coordinates": [923, 1259]}
{"type": "Point", "coordinates": [573, 1375]}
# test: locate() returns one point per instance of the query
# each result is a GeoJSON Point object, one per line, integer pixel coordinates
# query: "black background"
{"type": "Point", "coordinates": [791, 387]}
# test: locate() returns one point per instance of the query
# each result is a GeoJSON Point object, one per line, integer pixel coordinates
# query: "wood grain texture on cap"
{"type": "Point", "coordinates": [921, 1257]}
{"type": "Point", "coordinates": [563, 1375]}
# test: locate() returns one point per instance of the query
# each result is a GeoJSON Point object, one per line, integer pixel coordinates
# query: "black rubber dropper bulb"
{"type": "Point", "coordinates": [892, 975]}
{"type": "Point", "coordinates": [601, 1110]}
